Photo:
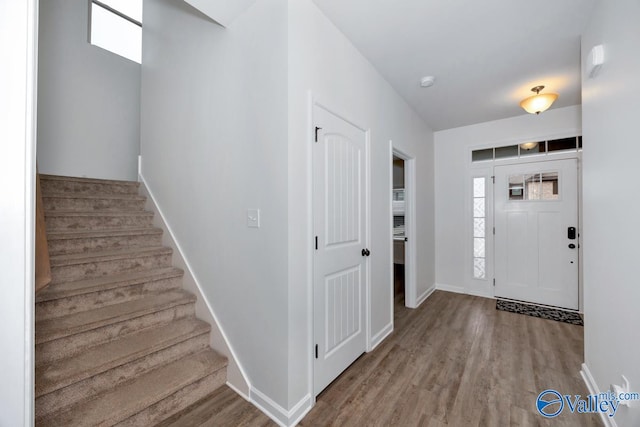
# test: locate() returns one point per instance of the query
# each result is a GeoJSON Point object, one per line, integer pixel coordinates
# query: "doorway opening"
{"type": "Point", "coordinates": [403, 244]}
{"type": "Point", "coordinates": [399, 231]}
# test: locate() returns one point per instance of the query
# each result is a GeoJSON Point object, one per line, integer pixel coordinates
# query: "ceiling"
{"type": "Point", "coordinates": [485, 55]}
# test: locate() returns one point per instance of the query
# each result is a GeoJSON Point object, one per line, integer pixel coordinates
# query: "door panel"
{"type": "Point", "coordinates": [340, 277]}
{"type": "Point", "coordinates": [342, 190]}
{"type": "Point", "coordinates": [517, 252]}
{"type": "Point", "coordinates": [550, 235]}
{"type": "Point", "coordinates": [342, 315]}
{"type": "Point", "coordinates": [535, 203]}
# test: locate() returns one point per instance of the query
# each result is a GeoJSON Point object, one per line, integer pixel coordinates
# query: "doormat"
{"type": "Point", "coordinates": [542, 312]}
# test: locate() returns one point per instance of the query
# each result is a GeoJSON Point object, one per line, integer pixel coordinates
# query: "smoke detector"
{"type": "Point", "coordinates": [427, 81]}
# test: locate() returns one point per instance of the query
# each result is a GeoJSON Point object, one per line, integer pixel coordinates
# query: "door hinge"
{"type": "Point", "coordinates": [317, 129]}
{"type": "Point", "coordinates": [316, 243]}
{"type": "Point", "coordinates": [493, 179]}
{"type": "Point", "coordinates": [494, 231]}
{"type": "Point", "coordinates": [316, 351]}
{"type": "Point", "coordinates": [494, 281]}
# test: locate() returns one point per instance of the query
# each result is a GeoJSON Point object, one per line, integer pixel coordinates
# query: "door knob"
{"type": "Point", "coordinates": [365, 252]}
{"type": "Point", "coordinates": [572, 246]}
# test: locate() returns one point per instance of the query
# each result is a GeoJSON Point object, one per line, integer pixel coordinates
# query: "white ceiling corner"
{"type": "Point", "coordinates": [485, 55]}
{"type": "Point", "coordinates": [222, 11]}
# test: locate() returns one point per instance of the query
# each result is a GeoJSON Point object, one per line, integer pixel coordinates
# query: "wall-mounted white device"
{"type": "Point", "coordinates": [253, 218]}
{"type": "Point", "coordinates": [595, 59]}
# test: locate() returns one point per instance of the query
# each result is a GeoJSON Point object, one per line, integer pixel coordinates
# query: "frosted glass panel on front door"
{"type": "Point", "coordinates": [537, 186]}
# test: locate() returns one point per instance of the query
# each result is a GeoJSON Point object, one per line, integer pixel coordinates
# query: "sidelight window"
{"type": "Point", "coordinates": [479, 228]}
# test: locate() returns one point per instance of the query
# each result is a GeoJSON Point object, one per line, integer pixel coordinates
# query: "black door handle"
{"type": "Point", "coordinates": [572, 246]}
{"type": "Point", "coordinates": [365, 252]}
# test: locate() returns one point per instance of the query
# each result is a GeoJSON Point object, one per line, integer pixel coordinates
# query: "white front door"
{"type": "Point", "coordinates": [340, 275]}
{"type": "Point", "coordinates": [536, 237]}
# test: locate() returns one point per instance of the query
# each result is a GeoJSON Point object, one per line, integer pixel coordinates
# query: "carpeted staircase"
{"type": "Point", "coordinates": [117, 340]}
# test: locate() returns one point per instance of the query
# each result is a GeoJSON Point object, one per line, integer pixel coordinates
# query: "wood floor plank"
{"type": "Point", "coordinates": [454, 361]}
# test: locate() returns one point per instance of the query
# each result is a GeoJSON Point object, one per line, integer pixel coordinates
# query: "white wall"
{"type": "Point", "coordinates": [88, 99]}
{"type": "Point", "coordinates": [18, 30]}
{"type": "Point", "coordinates": [610, 128]}
{"type": "Point", "coordinates": [222, 11]}
{"type": "Point", "coordinates": [215, 141]}
{"type": "Point", "coordinates": [213, 144]}
{"type": "Point", "coordinates": [453, 183]}
{"type": "Point", "coordinates": [323, 61]}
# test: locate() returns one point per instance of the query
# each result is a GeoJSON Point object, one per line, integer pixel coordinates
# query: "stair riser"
{"type": "Point", "coordinates": [72, 272]}
{"type": "Point", "coordinates": [74, 304]}
{"type": "Point", "coordinates": [67, 346]}
{"type": "Point", "coordinates": [88, 188]}
{"type": "Point", "coordinates": [176, 402]}
{"type": "Point", "coordinates": [87, 388]}
{"type": "Point", "coordinates": [63, 203]}
{"type": "Point", "coordinates": [88, 244]}
{"type": "Point", "coordinates": [101, 222]}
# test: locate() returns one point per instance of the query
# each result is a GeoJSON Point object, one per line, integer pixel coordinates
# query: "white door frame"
{"type": "Point", "coordinates": [486, 169]}
{"type": "Point", "coordinates": [313, 103]}
{"type": "Point", "coordinates": [410, 267]}
{"type": "Point", "coordinates": [18, 84]}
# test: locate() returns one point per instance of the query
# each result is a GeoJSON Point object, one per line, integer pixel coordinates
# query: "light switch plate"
{"type": "Point", "coordinates": [253, 218]}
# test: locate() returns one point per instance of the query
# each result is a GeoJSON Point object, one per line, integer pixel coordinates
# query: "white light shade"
{"type": "Point", "coordinates": [529, 145]}
{"type": "Point", "coordinates": [536, 104]}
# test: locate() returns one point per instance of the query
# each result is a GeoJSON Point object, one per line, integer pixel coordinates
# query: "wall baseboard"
{"type": "Point", "coordinates": [479, 294]}
{"type": "Point", "coordinates": [450, 288]}
{"type": "Point", "coordinates": [426, 294]}
{"type": "Point", "coordinates": [236, 375]}
{"type": "Point", "coordinates": [593, 389]}
{"type": "Point", "coordinates": [380, 336]}
{"type": "Point", "coordinates": [277, 413]}
{"type": "Point", "coordinates": [238, 391]}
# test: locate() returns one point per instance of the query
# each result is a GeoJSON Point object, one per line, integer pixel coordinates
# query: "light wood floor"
{"type": "Point", "coordinates": [455, 361]}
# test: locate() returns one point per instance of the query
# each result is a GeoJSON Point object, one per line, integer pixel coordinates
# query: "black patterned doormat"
{"type": "Point", "coordinates": [542, 312]}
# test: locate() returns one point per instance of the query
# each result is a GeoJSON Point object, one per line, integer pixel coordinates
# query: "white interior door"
{"type": "Point", "coordinates": [536, 249]}
{"type": "Point", "coordinates": [340, 276]}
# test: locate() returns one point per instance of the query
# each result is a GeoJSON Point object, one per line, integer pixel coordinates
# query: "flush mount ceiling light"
{"type": "Point", "coordinates": [539, 102]}
{"type": "Point", "coordinates": [427, 81]}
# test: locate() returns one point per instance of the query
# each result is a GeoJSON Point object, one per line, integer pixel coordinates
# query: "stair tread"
{"type": "Point", "coordinates": [62, 234]}
{"type": "Point", "coordinates": [109, 196]}
{"type": "Point", "coordinates": [87, 180]}
{"type": "Point", "coordinates": [58, 327]}
{"type": "Point", "coordinates": [61, 373]}
{"type": "Point", "coordinates": [79, 287]}
{"type": "Point", "coordinates": [107, 255]}
{"type": "Point", "coordinates": [125, 400]}
{"type": "Point", "coordinates": [94, 213]}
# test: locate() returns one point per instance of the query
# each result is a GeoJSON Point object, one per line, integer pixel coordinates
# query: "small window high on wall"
{"type": "Point", "coordinates": [116, 25]}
